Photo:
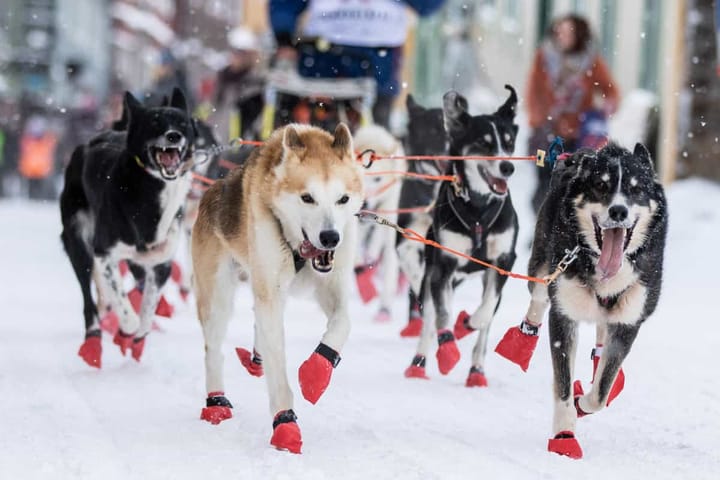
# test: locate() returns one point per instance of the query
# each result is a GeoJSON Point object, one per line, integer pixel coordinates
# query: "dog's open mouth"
{"type": "Point", "coordinates": [612, 242]}
{"type": "Point", "coordinates": [168, 160]}
{"type": "Point", "coordinates": [321, 260]}
{"type": "Point", "coordinates": [499, 186]}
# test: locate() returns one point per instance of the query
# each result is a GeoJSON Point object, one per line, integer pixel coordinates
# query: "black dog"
{"type": "Point", "coordinates": [474, 215]}
{"type": "Point", "coordinates": [613, 217]}
{"type": "Point", "coordinates": [426, 136]}
{"type": "Point", "coordinates": [122, 200]}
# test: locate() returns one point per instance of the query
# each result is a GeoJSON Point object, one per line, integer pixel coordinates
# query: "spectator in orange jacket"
{"type": "Point", "coordinates": [567, 80]}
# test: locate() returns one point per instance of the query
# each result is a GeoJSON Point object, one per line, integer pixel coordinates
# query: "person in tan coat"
{"type": "Point", "coordinates": [568, 81]}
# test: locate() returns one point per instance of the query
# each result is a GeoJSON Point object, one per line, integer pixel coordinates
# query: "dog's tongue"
{"type": "Point", "coordinates": [308, 250]}
{"type": "Point", "coordinates": [169, 159]}
{"type": "Point", "coordinates": [499, 185]}
{"type": "Point", "coordinates": [611, 256]}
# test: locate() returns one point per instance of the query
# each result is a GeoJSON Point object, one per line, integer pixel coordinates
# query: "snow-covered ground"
{"type": "Point", "coordinates": [61, 419]}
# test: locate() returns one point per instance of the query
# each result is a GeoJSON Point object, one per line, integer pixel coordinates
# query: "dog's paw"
{"type": "Point", "coordinates": [413, 328]}
{"type": "Point", "coordinates": [110, 322]}
{"type": "Point", "coordinates": [135, 296]}
{"type": "Point", "coordinates": [417, 368]}
{"type": "Point", "coordinates": [218, 408]}
{"type": "Point", "coordinates": [364, 279]}
{"type": "Point", "coordinates": [462, 327]}
{"type": "Point", "coordinates": [315, 372]}
{"type": "Point", "coordinates": [91, 350]}
{"type": "Point", "coordinates": [164, 309]}
{"type": "Point", "coordinates": [518, 347]}
{"type": "Point", "coordinates": [251, 362]}
{"type": "Point", "coordinates": [565, 443]}
{"type": "Point", "coordinates": [137, 347]}
{"type": "Point", "coordinates": [578, 392]}
{"type": "Point", "coordinates": [448, 354]}
{"type": "Point", "coordinates": [286, 432]}
{"type": "Point", "coordinates": [123, 340]}
{"type": "Point", "coordinates": [476, 378]}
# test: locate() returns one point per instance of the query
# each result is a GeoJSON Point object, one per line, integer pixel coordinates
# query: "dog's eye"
{"type": "Point", "coordinates": [343, 200]}
{"type": "Point", "coordinates": [307, 198]}
{"type": "Point", "coordinates": [600, 186]}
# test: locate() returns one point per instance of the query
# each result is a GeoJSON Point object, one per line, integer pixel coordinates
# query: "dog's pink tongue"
{"type": "Point", "coordinates": [611, 256]}
{"type": "Point", "coordinates": [168, 159]}
{"type": "Point", "coordinates": [308, 250]}
{"type": "Point", "coordinates": [499, 185]}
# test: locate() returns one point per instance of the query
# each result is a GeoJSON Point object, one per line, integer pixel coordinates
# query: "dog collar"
{"type": "Point", "coordinates": [139, 162]}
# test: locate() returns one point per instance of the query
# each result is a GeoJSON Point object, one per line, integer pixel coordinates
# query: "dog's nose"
{"type": "Point", "coordinates": [173, 137]}
{"type": "Point", "coordinates": [618, 213]}
{"type": "Point", "coordinates": [329, 238]}
{"type": "Point", "coordinates": [506, 168]}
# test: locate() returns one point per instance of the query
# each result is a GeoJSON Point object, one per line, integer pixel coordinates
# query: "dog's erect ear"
{"type": "Point", "coordinates": [122, 123]}
{"type": "Point", "coordinates": [132, 106]}
{"type": "Point", "coordinates": [507, 110]}
{"type": "Point", "coordinates": [177, 100]}
{"type": "Point", "coordinates": [342, 143]}
{"type": "Point", "coordinates": [455, 115]}
{"type": "Point", "coordinates": [641, 153]}
{"type": "Point", "coordinates": [411, 104]}
{"type": "Point", "coordinates": [165, 102]}
{"type": "Point", "coordinates": [291, 139]}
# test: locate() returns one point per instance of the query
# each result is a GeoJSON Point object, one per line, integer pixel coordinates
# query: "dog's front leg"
{"type": "Point", "coordinates": [270, 297]}
{"type": "Point", "coordinates": [315, 373]}
{"type": "Point", "coordinates": [620, 338]}
{"type": "Point", "coordinates": [563, 343]}
{"type": "Point", "coordinates": [440, 274]}
{"type": "Point", "coordinates": [112, 288]}
{"type": "Point", "coordinates": [390, 274]}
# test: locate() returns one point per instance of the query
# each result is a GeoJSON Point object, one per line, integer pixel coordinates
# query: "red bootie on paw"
{"type": "Point", "coordinates": [218, 408]}
{"type": "Point", "coordinates": [447, 354]}
{"type": "Point", "coordinates": [566, 444]}
{"type": "Point", "coordinates": [135, 296]}
{"type": "Point", "coordinates": [476, 378]}
{"type": "Point", "coordinates": [251, 361]}
{"type": "Point", "coordinates": [618, 384]}
{"type": "Point", "coordinates": [164, 309]}
{"type": "Point", "coordinates": [417, 368]}
{"type": "Point", "coordinates": [138, 345]}
{"type": "Point", "coordinates": [462, 327]}
{"type": "Point", "coordinates": [577, 393]}
{"type": "Point", "coordinates": [110, 322]}
{"type": "Point", "coordinates": [518, 346]}
{"type": "Point", "coordinates": [413, 328]}
{"type": "Point", "coordinates": [286, 432]}
{"type": "Point", "coordinates": [315, 372]}
{"type": "Point", "coordinates": [364, 279]}
{"type": "Point", "coordinates": [123, 267]}
{"type": "Point", "coordinates": [123, 340]}
{"type": "Point", "coordinates": [91, 351]}
{"type": "Point", "coordinates": [175, 272]}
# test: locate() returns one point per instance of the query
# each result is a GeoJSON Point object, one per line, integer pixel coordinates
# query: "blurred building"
{"type": "Point", "coordinates": [51, 48]}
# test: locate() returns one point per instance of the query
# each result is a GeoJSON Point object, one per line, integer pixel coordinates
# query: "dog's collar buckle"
{"type": "Point", "coordinates": [460, 190]}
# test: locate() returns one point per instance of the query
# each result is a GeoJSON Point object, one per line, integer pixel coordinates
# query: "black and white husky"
{"type": "Point", "coordinates": [122, 200]}
{"type": "Point", "coordinates": [609, 209]}
{"type": "Point", "coordinates": [474, 215]}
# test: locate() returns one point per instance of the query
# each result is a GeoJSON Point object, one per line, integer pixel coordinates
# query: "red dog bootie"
{"type": "Point", "coordinates": [91, 349]}
{"type": "Point", "coordinates": [286, 433]}
{"type": "Point", "coordinates": [618, 384]}
{"type": "Point", "coordinates": [175, 272]}
{"type": "Point", "coordinates": [251, 362]}
{"type": "Point", "coordinates": [476, 378]}
{"type": "Point", "coordinates": [417, 368]}
{"type": "Point", "coordinates": [447, 354]}
{"type": "Point", "coordinates": [137, 347]}
{"type": "Point", "coordinates": [315, 372]}
{"type": "Point", "coordinates": [518, 344]}
{"type": "Point", "coordinates": [462, 325]}
{"type": "Point", "coordinates": [123, 340]}
{"type": "Point", "coordinates": [218, 408]}
{"type": "Point", "coordinates": [577, 393]}
{"type": "Point", "coordinates": [566, 444]}
{"type": "Point", "coordinates": [163, 309]}
{"type": "Point", "coordinates": [364, 279]}
{"type": "Point", "coordinates": [413, 328]}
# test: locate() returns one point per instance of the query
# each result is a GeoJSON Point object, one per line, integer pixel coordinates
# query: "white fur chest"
{"type": "Point", "coordinates": [172, 198]}
{"type": "Point", "coordinates": [580, 302]}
